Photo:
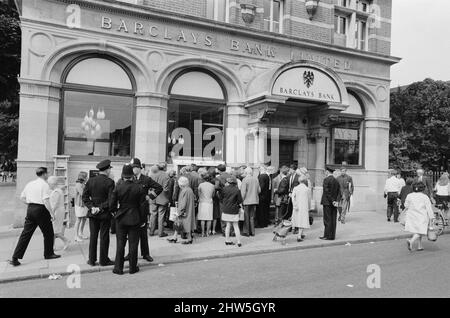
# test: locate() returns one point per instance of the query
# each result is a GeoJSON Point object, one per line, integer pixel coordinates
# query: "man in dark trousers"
{"type": "Point", "coordinates": [152, 189]}
{"type": "Point", "coordinates": [97, 198]}
{"type": "Point", "coordinates": [37, 196]}
{"type": "Point", "coordinates": [262, 215]}
{"type": "Point", "coordinates": [131, 218]}
{"type": "Point", "coordinates": [330, 199]}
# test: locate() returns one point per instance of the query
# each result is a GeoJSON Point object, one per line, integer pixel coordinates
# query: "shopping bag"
{"type": "Point", "coordinates": [241, 214]}
{"type": "Point", "coordinates": [432, 233]}
{"type": "Point", "coordinates": [173, 213]}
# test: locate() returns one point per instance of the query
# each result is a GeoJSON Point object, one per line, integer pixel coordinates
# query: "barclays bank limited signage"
{"type": "Point", "coordinates": [307, 83]}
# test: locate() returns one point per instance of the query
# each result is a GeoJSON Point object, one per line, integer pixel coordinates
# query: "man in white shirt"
{"type": "Point", "coordinates": [37, 196]}
{"type": "Point", "coordinates": [392, 190]}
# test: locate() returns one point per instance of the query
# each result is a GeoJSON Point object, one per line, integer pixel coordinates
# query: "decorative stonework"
{"type": "Point", "coordinates": [155, 60]}
{"type": "Point", "coordinates": [41, 43]}
{"type": "Point", "coordinates": [246, 73]}
{"type": "Point", "coordinates": [382, 93]}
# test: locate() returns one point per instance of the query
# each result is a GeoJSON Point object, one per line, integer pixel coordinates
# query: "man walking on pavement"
{"type": "Point", "coordinates": [347, 187]}
{"type": "Point", "coordinates": [392, 190]}
{"type": "Point", "coordinates": [37, 196]}
{"type": "Point", "coordinates": [427, 181]}
{"type": "Point", "coordinates": [158, 206]}
{"type": "Point", "coordinates": [147, 184]}
{"type": "Point", "coordinates": [97, 198]}
{"type": "Point", "coordinates": [330, 197]}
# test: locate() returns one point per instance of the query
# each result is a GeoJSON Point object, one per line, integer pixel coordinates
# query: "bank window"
{"type": "Point", "coordinates": [346, 135]}
{"type": "Point", "coordinates": [218, 10]}
{"type": "Point", "coordinates": [361, 35]}
{"type": "Point", "coordinates": [273, 15]}
{"type": "Point", "coordinates": [195, 127]}
{"type": "Point", "coordinates": [97, 110]}
{"type": "Point", "coordinates": [344, 3]}
{"type": "Point", "coordinates": [340, 24]}
{"type": "Point", "coordinates": [363, 5]}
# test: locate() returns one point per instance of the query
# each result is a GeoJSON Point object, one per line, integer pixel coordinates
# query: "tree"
{"type": "Point", "coordinates": [10, 45]}
{"type": "Point", "coordinates": [420, 127]}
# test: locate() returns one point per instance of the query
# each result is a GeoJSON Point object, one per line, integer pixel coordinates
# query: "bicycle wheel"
{"type": "Point", "coordinates": [439, 224]}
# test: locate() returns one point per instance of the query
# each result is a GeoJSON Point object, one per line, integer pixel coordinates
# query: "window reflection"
{"type": "Point", "coordinates": [97, 124]}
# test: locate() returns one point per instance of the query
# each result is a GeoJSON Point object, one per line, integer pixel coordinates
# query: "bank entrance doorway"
{"type": "Point", "coordinates": [285, 152]}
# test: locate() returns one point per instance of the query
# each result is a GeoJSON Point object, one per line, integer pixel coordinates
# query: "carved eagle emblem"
{"type": "Point", "coordinates": [308, 78]}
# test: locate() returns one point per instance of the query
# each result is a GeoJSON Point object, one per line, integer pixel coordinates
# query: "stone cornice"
{"type": "Point", "coordinates": [148, 12]}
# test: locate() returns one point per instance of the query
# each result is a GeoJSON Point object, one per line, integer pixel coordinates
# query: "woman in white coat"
{"type": "Point", "coordinates": [301, 199]}
{"type": "Point", "coordinates": [419, 214]}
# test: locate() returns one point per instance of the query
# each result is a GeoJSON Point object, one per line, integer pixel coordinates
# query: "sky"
{"type": "Point", "coordinates": [421, 37]}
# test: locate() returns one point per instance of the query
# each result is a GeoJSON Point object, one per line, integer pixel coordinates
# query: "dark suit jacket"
{"type": "Point", "coordinates": [230, 198]}
{"type": "Point", "coordinates": [131, 199]}
{"type": "Point", "coordinates": [331, 191]}
{"type": "Point", "coordinates": [97, 193]}
{"type": "Point", "coordinates": [295, 182]}
{"type": "Point", "coordinates": [428, 185]}
{"type": "Point", "coordinates": [264, 183]}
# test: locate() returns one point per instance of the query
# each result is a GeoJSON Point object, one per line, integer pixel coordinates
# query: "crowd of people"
{"type": "Point", "coordinates": [415, 198]}
{"type": "Point", "coordinates": [8, 171]}
{"type": "Point", "coordinates": [197, 201]}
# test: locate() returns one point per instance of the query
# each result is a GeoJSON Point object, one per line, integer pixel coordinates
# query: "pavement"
{"type": "Point", "coordinates": [361, 227]}
{"type": "Point", "coordinates": [378, 270]}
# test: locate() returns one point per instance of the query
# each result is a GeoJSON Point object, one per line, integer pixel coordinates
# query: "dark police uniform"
{"type": "Point", "coordinates": [130, 218]}
{"type": "Point", "coordinates": [331, 192]}
{"type": "Point", "coordinates": [97, 193]}
{"type": "Point", "coordinates": [147, 184]}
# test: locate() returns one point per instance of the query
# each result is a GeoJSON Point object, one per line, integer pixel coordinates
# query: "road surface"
{"type": "Point", "coordinates": [323, 272]}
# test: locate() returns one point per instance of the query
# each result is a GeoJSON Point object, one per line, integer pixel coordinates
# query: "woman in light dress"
{"type": "Point", "coordinates": [58, 210]}
{"type": "Point", "coordinates": [419, 214]}
{"type": "Point", "coordinates": [442, 190]}
{"type": "Point", "coordinates": [301, 200]}
{"type": "Point", "coordinates": [80, 209]}
{"type": "Point", "coordinates": [206, 192]}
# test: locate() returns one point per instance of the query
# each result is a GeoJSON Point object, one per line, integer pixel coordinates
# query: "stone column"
{"type": "Point", "coordinates": [236, 143]}
{"type": "Point", "coordinates": [376, 159]}
{"type": "Point", "coordinates": [151, 127]}
{"type": "Point", "coordinates": [38, 132]}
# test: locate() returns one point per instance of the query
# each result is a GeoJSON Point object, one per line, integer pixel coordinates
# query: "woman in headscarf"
{"type": "Point", "coordinates": [186, 211]}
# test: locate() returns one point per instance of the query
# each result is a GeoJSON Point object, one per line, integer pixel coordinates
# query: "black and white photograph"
{"type": "Point", "coordinates": [224, 155]}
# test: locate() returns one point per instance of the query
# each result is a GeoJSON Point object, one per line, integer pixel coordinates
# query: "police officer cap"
{"type": "Point", "coordinates": [104, 165]}
{"type": "Point", "coordinates": [127, 171]}
{"type": "Point", "coordinates": [330, 170]}
{"type": "Point", "coordinates": [136, 163]}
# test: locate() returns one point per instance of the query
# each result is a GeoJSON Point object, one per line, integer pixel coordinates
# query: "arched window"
{"type": "Point", "coordinates": [96, 117]}
{"type": "Point", "coordinates": [346, 135]}
{"type": "Point", "coordinates": [195, 116]}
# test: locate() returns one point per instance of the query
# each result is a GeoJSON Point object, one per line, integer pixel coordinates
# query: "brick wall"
{"type": "Point", "coordinates": [296, 20]}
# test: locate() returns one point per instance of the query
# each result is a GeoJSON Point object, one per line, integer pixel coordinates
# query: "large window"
{"type": "Point", "coordinates": [195, 128]}
{"type": "Point", "coordinates": [97, 110]}
{"type": "Point", "coordinates": [346, 135]}
{"type": "Point", "coordinates": [340, 24]}
{"type": "Point", "coordinates": [273, 15]}
{"type": "Point", "coordinates": [218, 10]}
{"type": "Point", "coordinates": [361, 35]}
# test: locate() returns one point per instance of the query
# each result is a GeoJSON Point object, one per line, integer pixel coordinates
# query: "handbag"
{"type": "Point", "coordinates": [178, 225]}
{"type": "Point", "coordinates": [402, 218]}
{"type": "Point", "coordinates": [432, 233]}
{"type": "Point", "coordinates": [241, 214]}
{"type": "Point", "coordinates": [173, 213]}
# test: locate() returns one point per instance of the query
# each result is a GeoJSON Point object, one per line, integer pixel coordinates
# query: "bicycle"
{"type": "Point", "coordinates": [441, 221]}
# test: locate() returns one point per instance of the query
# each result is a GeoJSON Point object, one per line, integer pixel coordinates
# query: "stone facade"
{"type": "Point", "coordinates": [175, 36]}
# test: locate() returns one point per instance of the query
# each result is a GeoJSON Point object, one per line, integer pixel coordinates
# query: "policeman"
{"type": "Point", "coordinates": [131, 217]}
{"type": "Point", "coordinates": [152, 189]}
{"type": "Point", "coordinates": [37, 196]}
{"type": "Point", "coordinates": [97, 198]}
